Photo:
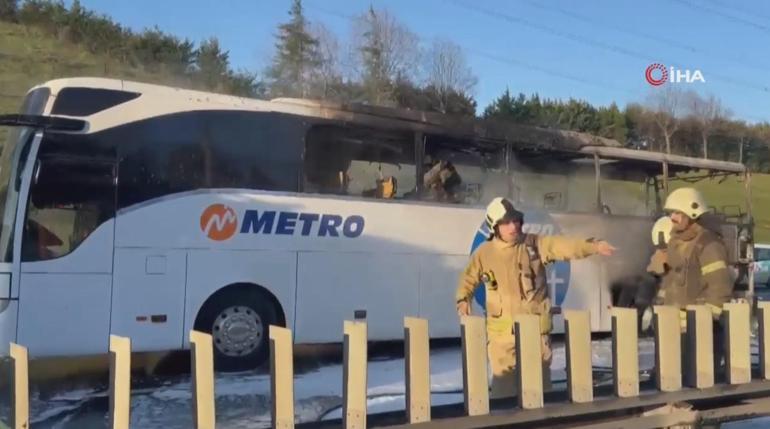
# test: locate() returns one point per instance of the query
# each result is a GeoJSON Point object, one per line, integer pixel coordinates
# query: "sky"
{"type": "Point", "coordinates": [595, 50]}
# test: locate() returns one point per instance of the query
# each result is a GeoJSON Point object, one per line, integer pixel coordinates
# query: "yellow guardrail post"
{"type": "Point", "coordinates": [120, 382]}
{"type": "Point", "coordinates": [529, 361]}
{"type": "Point", "coordinates": [475, 377]}
{"type": "Point", "coordinates": [204, 413]}
{"type": "Point", "coordinates": [700, 353]}
{"type": "Point", "coordinates": [579, 367]}
{"type": "Point", "coordinates": [354, 375]}
{"type": "Point", "coordinates": [738, 352]}
{"type": "Point", "coordinates": [625, 352]}
{"type": "Point", "coordinates": [763, 318]}
{"type": "Point", "coordinates": [282, 377]}
{"type": "Point", "coordinates": [20, 396]}
{"type": "Point", "coordinates": [668, 348]}
{"type": "Point", "coordinates": [417, 369]}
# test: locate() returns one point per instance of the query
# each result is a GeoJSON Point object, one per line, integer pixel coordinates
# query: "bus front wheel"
{"type": "Point", "coordinates": [238, 320]}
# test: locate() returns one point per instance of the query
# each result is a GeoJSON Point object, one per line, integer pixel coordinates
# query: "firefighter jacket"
{"type": "Point", "coordinates": [657, 265]}
{"type": "Point", "coordinates": [696, 270]}
{"type": "Point", "coordinates": [513, 275]}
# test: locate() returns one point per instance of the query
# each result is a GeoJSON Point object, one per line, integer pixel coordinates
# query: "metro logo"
{"type": "Point", "coordinates": [288, 223]}
{"type": "Point", "coordinates": [219, 222]}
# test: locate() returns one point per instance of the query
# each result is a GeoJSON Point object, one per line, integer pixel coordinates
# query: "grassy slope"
{"type": "Point", "coordinates": [731, 192]}
{"type": "Point", "coordinates": [29, 57]}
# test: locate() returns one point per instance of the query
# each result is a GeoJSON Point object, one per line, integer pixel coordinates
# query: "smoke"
{"type": "Point", "coordinates": [570, 186]}
{"type": "Point", "coordinates": [567, 190]}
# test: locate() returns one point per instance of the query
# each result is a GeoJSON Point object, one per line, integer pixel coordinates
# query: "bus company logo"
{"type": "Point", "coordinates": [657, 74]}
{"type": "Point", "coordinates": [219, 222]}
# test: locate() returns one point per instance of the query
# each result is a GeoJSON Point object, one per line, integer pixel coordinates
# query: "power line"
{"type": "Point", "coordinates": [579, 17]}
{"type": "Point", "coordinates": [737, 6]}
{"type": "Point", "coordinates": [544, 28]}
{"type": "Point", "coordinates": [591, 42]}
{"type": "Point", "coordinates": [330, 12]}
{"type": "Point", "coordinates": [511, 61]}
{"type": "Point", "coordinates": [672, 42]}
{"type": "Point", "coordinates": [728, 16]}
{"type": "Point", "coordinates": [522, 64]}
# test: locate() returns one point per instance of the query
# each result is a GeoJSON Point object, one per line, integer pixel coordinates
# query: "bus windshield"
{"type": "Point", "coordinates": [11, 163]}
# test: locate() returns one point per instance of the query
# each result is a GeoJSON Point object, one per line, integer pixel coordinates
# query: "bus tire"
{"type": "Point", "coordinates": [238, 321]}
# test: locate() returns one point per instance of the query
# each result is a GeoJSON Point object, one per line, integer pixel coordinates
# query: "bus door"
{"type": "Point", "coordinates": [66, 255]}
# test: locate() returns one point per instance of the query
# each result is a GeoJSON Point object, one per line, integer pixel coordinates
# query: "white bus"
{"type": "Point", "coordinates": [147, 211]}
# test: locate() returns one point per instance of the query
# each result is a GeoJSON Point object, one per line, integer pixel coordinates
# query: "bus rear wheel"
{"type": "Point", "coordinates": [238, 322]}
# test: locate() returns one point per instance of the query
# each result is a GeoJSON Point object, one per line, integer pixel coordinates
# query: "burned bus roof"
{"type": "Point", "coordinates": [525, 139]}
{"type": "Point", "coordinates": [549, 143]}
{"type": "Point", "coordinates": [457, 126]}
{"type": "Point", "coordinates": [658, 158]}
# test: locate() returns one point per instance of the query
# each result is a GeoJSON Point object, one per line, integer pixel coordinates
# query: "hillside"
{"type": "Point", "coordinates": [29, 57]}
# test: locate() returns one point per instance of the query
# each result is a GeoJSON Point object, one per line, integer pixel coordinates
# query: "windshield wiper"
{"type": "Point", "coordinates": [45, 122]}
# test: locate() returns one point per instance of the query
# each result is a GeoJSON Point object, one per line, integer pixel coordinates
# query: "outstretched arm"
{"type": "Point", "coordinates": [564, 248]}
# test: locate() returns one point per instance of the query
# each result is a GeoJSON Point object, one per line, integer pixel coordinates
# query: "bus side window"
{"type": "Point", "coordinates": [188, 151]}
{"type": "Point", "coordinates": [358, 162]}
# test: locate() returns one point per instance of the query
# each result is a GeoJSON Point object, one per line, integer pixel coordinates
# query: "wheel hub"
{"type": "Point", "coordinates": [237, 331]}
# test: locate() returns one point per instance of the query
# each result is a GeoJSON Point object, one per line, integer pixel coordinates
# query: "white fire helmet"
{"type": "Point", "coordinates": [688, 201]}
{"type": "Point", "coordinates": [661, 231]}
{"type": "Point", "coordinates": [501, 209]}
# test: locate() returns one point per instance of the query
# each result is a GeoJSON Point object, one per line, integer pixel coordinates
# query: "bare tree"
{"type": "Point", "coordinates": [667, 105]}
{"type": "Point", "coordinates": [386, 51]}
{"type": "Point", "coordinates": [329, 72]}
{"type": "Point", "coordinates": [737, 131]}
{"type": "Point", "coordinates": [708, 112]}
{"type": "Point", "coordinates": [448, 72]}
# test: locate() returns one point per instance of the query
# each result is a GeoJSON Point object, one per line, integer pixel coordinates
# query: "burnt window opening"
{"type": "Point", "coordinates": [359, 162]}
{"type": "Point", "coordinates": [458, 171]}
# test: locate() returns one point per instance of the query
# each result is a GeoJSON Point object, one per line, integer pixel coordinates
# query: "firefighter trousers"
{"type": "Point", "coordinates": [501, 351]}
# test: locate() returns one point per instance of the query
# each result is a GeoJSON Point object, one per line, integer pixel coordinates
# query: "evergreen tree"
{"type": "Point", "coordinates": [502, 107]}
{"type": "Point", "coordinates": [297, 57]}
{"type": "Point", "coordinates": [212, 65]}
{"type": "Point", "coordinates": [9, 10]}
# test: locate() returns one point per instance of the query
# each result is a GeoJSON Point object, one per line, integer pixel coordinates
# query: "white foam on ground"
{"type": "Point", "coordinates": [243, 400]}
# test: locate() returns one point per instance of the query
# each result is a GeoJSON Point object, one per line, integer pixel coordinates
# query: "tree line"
{"type": "Point", "coordinates": [670, 120]}
{"type": "Point", "coordinates": [385, 63]}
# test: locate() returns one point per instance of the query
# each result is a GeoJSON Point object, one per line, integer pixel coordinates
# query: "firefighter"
{"type": "Point", "coordinates": [696, 267]}
{"type": "Point", "coordinates": [442, 182]}
{"type": "Point", "coordinates": [511, 265]}
{"type": "Point", "coordinates": [661, 234]}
